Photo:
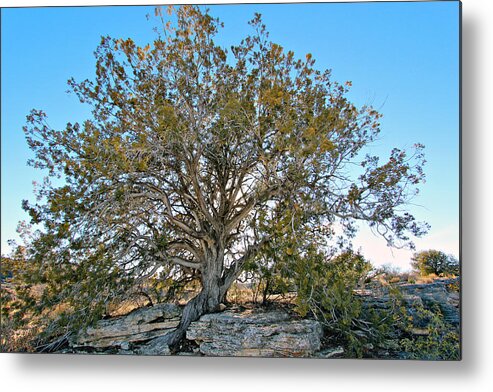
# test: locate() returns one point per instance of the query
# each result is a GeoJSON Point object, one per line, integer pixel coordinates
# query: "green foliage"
{"type": "Point", "coordinates": [326, 289]}
{"type": "Point", "coordinates": [330, 286]}
{"type": "Point", "coordinates": [203, 160]}
{"type": "Point", "coordinates": [435, 262]}
{"type": "Point", "coordinates": [59, 299]}
{"type": "Point", "coordinates": [16, 330]}
{"type": "Point", "coordinates": [440, 341]}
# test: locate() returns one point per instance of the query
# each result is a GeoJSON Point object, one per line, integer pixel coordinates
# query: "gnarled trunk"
{"type": "Point", "coordinates": [211, 295]}
{"type": "Point", "coordinates": [215, 280]}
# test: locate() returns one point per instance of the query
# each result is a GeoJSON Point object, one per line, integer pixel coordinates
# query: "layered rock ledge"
{"type": "Point", "coordinates": [430, 295]}
{"type": "Point", "coordinates": [255, 333]}
{"type": "Point", "coordinates": [125, 333]}
{"type": "Point", "coordinates": [249, 332]}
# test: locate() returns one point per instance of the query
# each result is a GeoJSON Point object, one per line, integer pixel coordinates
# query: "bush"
{"type": "Point", "coordinates": [435, 262]}
{"type": "Point", "coordinates": [390, 274]}
{"type": "Point", "coordinates": [326, 289]}
{"type": "Point", "coordinates": [441, 341]}
{"type": "Point", "coordinates": [16, 331]}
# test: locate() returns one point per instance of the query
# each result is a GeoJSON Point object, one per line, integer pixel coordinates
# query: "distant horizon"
{"type": "Point", "coordinates": [401, 57]}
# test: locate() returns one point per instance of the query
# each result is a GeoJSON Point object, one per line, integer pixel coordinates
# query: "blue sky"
{"type": "Point", "coordinates": [401, 57]}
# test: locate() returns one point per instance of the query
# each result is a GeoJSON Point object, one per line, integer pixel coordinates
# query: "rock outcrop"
{"type": "Point", "coordinates": [255, 333]}
{"type": "Point", "coordinates": [430, 295]}
{"type": "Point", "coordinates": [252, 332]}
{"type": "Point", "coordinates": [435, 294]}
{"type": "Point", "coordinates": [229, 333]}
{"type": "Point", "coordinates": [126, 332]}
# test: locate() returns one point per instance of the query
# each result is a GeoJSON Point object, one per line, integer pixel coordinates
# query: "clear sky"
{"type": "Point", "coordinates": [401, 57]}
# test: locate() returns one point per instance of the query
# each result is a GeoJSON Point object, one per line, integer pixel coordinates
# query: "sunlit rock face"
{"type": "Point", "coordinates": [255, 333]}
{"type": "Point", "coordinates": [127, 332]}
{"type": "Point", "coordinates": [259, 332]}
{"type": "Point", "coordinates": [230, 333]}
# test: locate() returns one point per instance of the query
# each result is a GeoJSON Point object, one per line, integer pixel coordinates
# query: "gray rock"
{"type": "Point", "coordinates": [255, 333]}
{"type": "Point", "coordinates": [157, 346]}
{"type": "Point", "coordinates": [331, 352]}
{"type": "Point", "coordinates": [437, 294]}
{"type": "Point", "coordinates": [429, 295]}
{"type": "Point", "coordinates": [251, 332]}
{"type": "Point", "coordinates": [138, 326]}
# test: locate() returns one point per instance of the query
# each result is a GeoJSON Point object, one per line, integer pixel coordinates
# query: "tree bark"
{"type": "Point", "coordinates": [207, 301]}
{"type": "Point", "coordinates": [215, 283]}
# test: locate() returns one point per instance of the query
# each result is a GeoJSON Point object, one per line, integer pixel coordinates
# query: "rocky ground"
{"type": "Point", "coordinates": [247, 330]}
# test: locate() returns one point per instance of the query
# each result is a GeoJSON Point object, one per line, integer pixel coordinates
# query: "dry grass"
{"type": "Point", "coordinates": [16, 340]}
{"type": "Point", "coordinates": [426, 279]}
{"type": "Point", "coordinates": [406, 277]}
{"type": "Point", "coordinates": [121, 308]}
{"type": "Point", "coordinates": [241, 294]}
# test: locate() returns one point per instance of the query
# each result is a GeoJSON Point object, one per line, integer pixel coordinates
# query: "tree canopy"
{"type": "Point", "coordinates": [198, 160]}
{"type": "Point", "coordinates": [435, 262]}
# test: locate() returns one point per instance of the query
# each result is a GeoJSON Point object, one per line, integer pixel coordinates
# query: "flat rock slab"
{"type": "Point", "coordinates": [138, 326]}
{"type": "Point", "coordinates": [427, 294]}
{"type": "Point", "coordinates": [437, 293]}
{"type": "Point", "coordinates": [255, 333]}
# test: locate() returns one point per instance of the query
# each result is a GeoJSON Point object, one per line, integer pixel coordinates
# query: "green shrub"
{"type": "Point", "coordinates": [326, 289]}
{"type": "Point", "coordinates": [435, 262]}
{"type": "Point", "coordinates": [441, 341]}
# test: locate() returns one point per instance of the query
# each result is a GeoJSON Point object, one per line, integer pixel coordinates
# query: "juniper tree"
{"type": "Point", "coordinates": [435, 262]}
{"type": "Point", "coordinates": [200, 160]}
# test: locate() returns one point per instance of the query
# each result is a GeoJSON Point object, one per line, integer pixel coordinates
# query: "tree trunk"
{"type": "Point", "coordinates": [265, 292]}
{"type": "Point", "coordinates": [211, 295]}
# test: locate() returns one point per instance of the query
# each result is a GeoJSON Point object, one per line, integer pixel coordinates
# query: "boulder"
{"type": "Point", "coordinates": [123, 332]}
{"type": "Point", "coordinates": [255, 333]}
{"type": "Point", "coordinates": [157, 346]}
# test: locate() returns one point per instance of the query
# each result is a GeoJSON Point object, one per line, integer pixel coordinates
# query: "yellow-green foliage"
{"type": "Point", "coordinates": [326, 290]}
{"type": "Point", "coordinates": [435, 262]}
{"type": "Point", "coordinates": [439, 342]}
{"type": "Point", "coordinates": [204, 159]}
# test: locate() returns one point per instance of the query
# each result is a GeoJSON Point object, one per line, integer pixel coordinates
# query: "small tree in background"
{"type": "Point", "coordinates": [435, 262]}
